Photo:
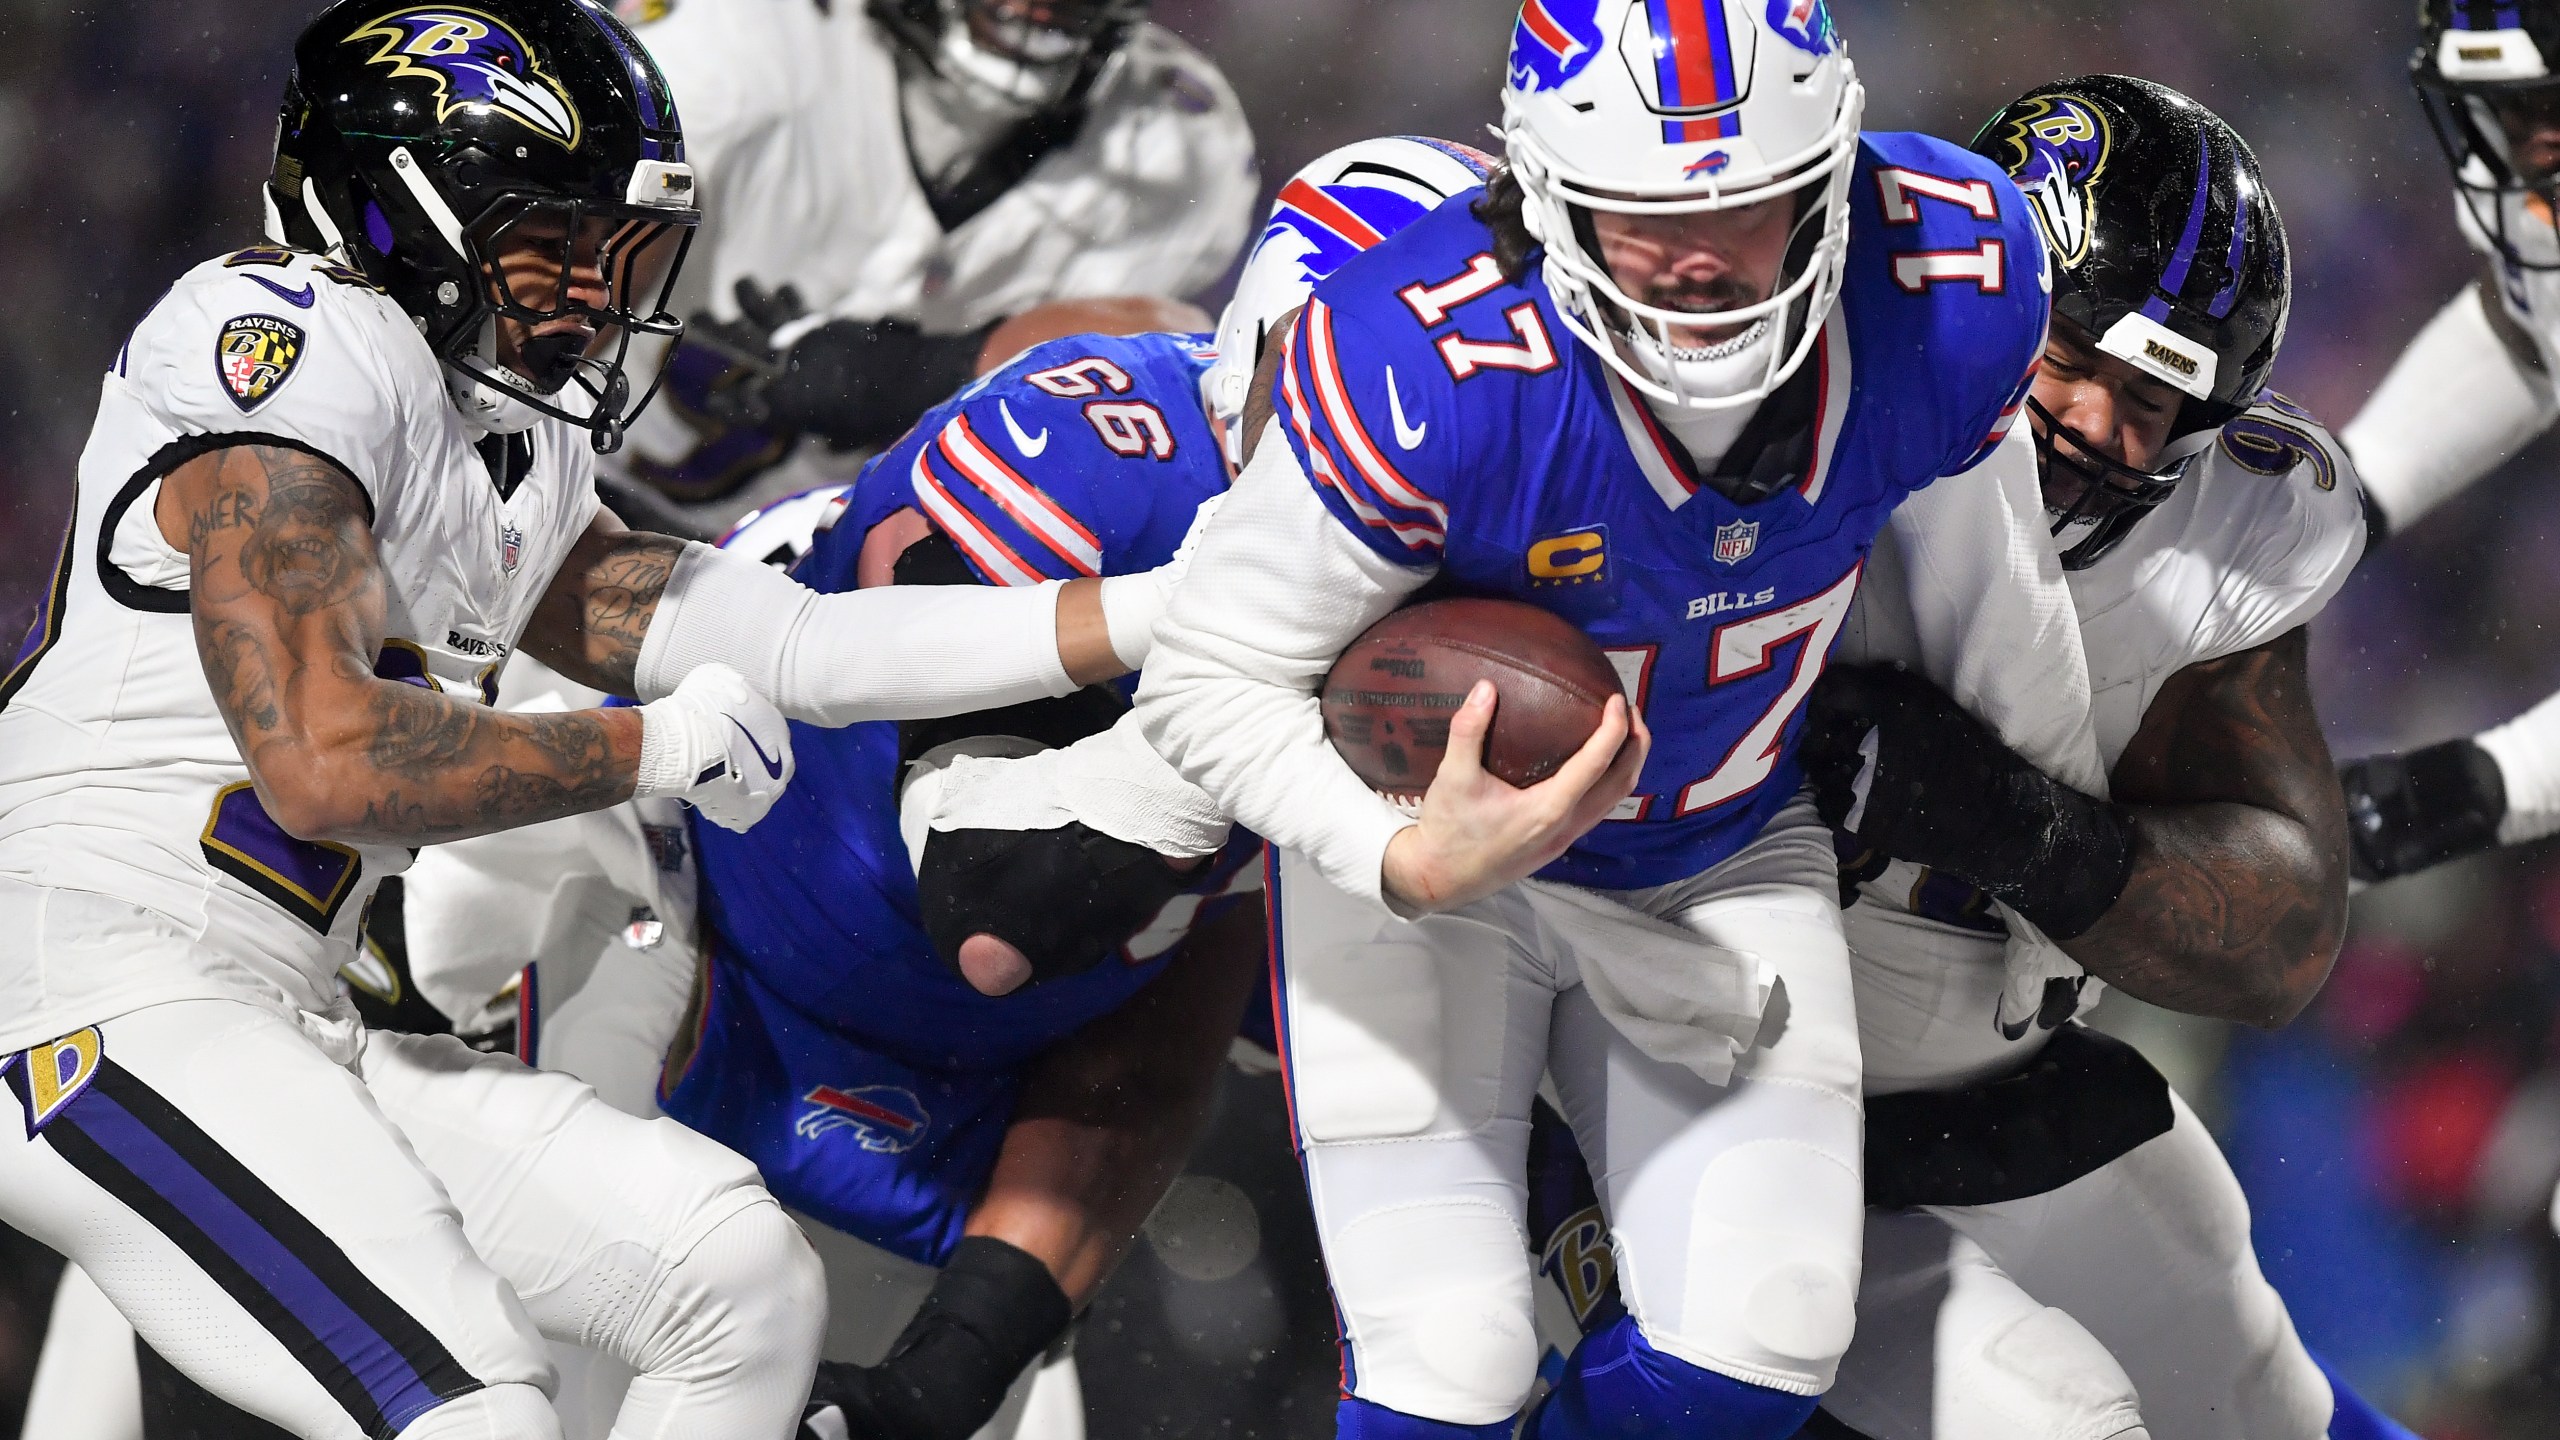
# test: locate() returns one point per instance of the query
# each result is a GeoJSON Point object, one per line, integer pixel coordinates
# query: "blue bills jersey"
{"type": "Point", "coordinates": [1447, 417]}
{"type": "Point", "coordinates": [868, 1082]}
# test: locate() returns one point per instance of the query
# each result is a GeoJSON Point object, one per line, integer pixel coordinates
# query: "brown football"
{"type": "Point", "coordinates": [1388, 699]}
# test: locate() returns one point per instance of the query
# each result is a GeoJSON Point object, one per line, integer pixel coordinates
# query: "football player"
{"type": "Point", "coordinates": [1669, 375]}
{"type": "Point", "coordinates": [975, 1163]}
{"type": "Point", "coordinates": [334, 481]}
{"type": "Point", "coordinates": [891, 180]}
{"type": "Point", "coordinates": [2059, 1248]}
{"type": "Point", "coordinates": [2469, 392]}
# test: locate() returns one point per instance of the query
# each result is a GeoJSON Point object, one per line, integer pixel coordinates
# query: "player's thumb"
{"type": "Point", "coordinates": [1468, 725]}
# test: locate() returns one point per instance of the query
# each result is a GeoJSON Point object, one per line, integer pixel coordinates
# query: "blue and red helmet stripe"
{"type": "Point", "coordinates": [1693, 63]}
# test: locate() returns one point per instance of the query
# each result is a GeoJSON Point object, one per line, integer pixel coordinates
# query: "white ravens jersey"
{"type": "Point", "coordinates": [2251, 544]}
{"type": "Point", "coordinates": [117, 773]}
{"type": "Point", "coordinates": [793, 126]}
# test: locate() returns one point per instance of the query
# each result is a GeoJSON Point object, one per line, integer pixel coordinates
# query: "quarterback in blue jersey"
{"type": "Point", "coordinates": [1691, 351]}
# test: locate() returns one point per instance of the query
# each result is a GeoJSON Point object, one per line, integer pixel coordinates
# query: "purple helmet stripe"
{"type": "Point", "coordinates": [2230, 293]}
{"type": "Point", "coordinates": [2183, 258]}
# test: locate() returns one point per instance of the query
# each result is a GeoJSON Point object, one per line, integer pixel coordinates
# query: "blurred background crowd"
{"type": "Point", "coordinates": [2399, 1143]}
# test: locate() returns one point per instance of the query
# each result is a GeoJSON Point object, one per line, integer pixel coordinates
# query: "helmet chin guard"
{"type": "Point", "coordinates": [1674, 107]}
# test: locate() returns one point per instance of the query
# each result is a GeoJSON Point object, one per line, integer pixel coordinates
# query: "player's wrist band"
{"type": "Point", "coordinates": [993, 1309]}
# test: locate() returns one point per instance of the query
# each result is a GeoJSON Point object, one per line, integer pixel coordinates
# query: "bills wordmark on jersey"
{"type": "Point", "coordinates": [255, 355]}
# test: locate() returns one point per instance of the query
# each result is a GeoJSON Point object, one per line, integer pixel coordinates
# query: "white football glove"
{"type": "Point", "coordinates": [1131, 603]}
{"type": "Point", "coordinates": [718, 746]}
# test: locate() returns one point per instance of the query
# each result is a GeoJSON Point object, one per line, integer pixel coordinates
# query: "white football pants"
{"type": "Point", "coordinates": [2126, 1303]}
{"type": "Point", "coordinates": [1413, 1050]}
{"type": "Point", "coordinates": [563, 893]}
{"type": "Point", "coordinates": [337, 1248]}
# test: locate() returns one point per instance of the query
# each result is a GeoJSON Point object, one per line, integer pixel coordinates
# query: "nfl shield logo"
{"type": "Point", "coordinates": [511, 547]}
{"type": "Point", "coordinates": [1734, 542]}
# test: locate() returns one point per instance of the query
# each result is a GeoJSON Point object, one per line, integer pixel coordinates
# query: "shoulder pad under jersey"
{"type": "Point", "coordinates": [1946, 296]}
{"type": "Point", "coordinates": [2284, 501]}
{"type": "Point", "coordinates": [285, 345]}
{"type": "Point", "coordinates": [1083, 456]}
{"type": "Point", "coordinates": [1408, 365]}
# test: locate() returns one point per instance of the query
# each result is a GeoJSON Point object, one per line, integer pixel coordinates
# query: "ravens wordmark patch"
{"type": "Point", "coordinates": [256, 355]}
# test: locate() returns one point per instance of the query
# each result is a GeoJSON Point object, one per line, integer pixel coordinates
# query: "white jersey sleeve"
{"type": "Point", "coordinates": [282, 346]}
{"type": "Point", "coordinates": [2283, 491]}
{"type": "Point", "coordinates": [1229, 693]}
{"type": "Point", "coordinates": [2456, 405]}
{"type": "Point", "coordinates": [1992, 621]}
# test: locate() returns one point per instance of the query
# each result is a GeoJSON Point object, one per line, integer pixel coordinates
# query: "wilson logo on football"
{"type": "Point", "coordinates": [884, 1118]}
{"type": "Point", "coordinates": [255, 355]}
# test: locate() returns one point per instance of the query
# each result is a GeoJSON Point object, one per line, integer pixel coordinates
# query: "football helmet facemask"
{"type": "Point", "coordinates": [1668, 108]}
{"type": "Point", "coordinates": [512, 173]}
{"type": "Point", "coordinates": [1044, 54]}
{"type": "Point", "coordinates": [2483, 75]}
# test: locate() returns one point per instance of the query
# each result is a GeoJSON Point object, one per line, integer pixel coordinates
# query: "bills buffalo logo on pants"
{"type": "Point", "coordinates": [255, 355]}
{"type": "Point", "coordinates": [884, 1118]}
{"type": "Point", "coordinates": [472, 59]}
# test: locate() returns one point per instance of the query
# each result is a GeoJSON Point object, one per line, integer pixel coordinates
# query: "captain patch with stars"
{"type": "Point", "coordinates": [256, 354]}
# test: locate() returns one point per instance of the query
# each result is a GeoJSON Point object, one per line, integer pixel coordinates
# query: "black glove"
{"type": "Point", "coordinates": [2407, 812]}
{"type": "Point", "coordinates": [993, 1310]}
{"type": "Point", "coordinates": [854, 383]}
{"type": "Point", "coordinates": [1940, 789]}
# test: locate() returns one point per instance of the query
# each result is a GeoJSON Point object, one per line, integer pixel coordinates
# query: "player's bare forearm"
{"type": "Point", "coordinates": [2238, 898]}
{"type": "Point", "coordinates": [1109, 1114]}
{"type": "Point", "coordinates": [289, 605]}
{"type": "Point", "coordinates": [597, 612]}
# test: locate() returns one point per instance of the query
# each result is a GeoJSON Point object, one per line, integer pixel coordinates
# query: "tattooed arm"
{"type": "Point", "coordinates": [2238, 898]}
{"type": "Point", "coordinates": [591, 621]}
{"type": "Point", "coordinates": [289, 605]}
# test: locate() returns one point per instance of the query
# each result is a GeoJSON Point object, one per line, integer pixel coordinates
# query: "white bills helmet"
{"type": "Point", "coordinates": [1343, 203]}
{"type": "Point", "coordinates": [1656, 107]}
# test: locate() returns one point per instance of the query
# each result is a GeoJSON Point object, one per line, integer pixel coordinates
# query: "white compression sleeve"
{"type": "Point", "coordinates": [2527, 750]}
{"type": "Point", "coordinates": [1993, 617]}
{"type": "Point", "coordinates": [899, 652]}
{"type": "Point", "coordinates": [2455, 406]}
{"type": "Point", "coordinates": [1275, 592]}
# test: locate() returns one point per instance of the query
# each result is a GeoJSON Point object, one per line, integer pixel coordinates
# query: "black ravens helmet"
{"type": "Point", "coordinates": [2167, 254]}
{"type": "Point", "coordinates": [2484, 76]}
{"type": "Point", "coordinates": [508, 160]}
{"type": "Point", "coordinates": [1041, 53]}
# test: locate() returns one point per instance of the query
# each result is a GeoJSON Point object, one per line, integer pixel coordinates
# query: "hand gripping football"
{"type": "Point", "coordinates": [1388, 699]}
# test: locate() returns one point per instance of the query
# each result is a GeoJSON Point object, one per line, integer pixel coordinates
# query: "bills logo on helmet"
{"type": "Point", "coordinates": [1322, 226]}
{"type": "Point", "coordinates": [255, 355]}
{"type": "Point", "coordinates": [1805, 24]}
{"type": "Point", "coordinates": [884, 1118]}
{"type": "Point", "coordinates": [1553, 42]}
{"type": "Point", "coordinates": [472, 59]}
{"type": "Point", "coordinates": [2057, 150]}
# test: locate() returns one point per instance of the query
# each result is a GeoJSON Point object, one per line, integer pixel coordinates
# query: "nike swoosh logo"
{"type": "Point", "coordinates": [1029, 445]}
{"type": "Point", "coordinates": [299, 299]}
{"type": "Point", "coordinates": [1407, 435]}
{"type": "Point", "coordinates": [772, 766]}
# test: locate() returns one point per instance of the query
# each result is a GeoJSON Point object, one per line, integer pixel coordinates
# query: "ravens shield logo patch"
{"type": "Point", "coordinates": [255, 356]}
